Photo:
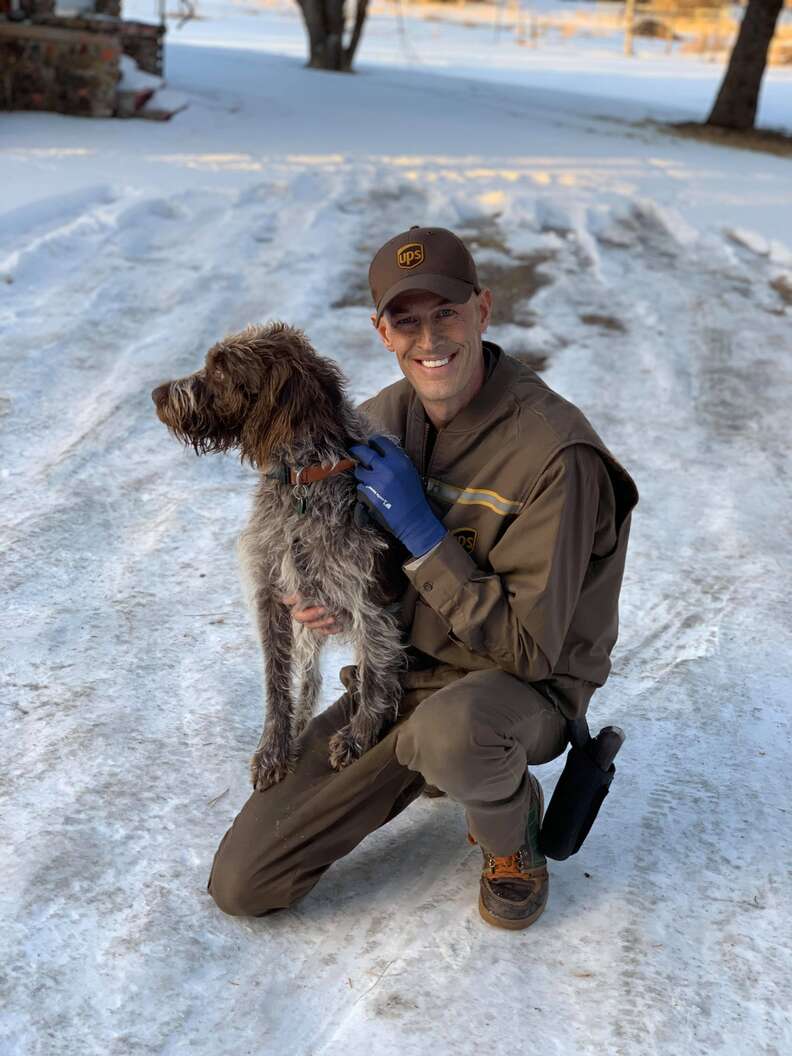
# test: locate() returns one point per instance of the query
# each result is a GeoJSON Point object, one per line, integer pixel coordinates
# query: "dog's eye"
{"type": "Point", "coordinates": [218, 374]}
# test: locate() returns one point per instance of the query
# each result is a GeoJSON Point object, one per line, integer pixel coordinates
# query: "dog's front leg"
{"type": "Point", "coordinates": [274, 756]}
{"type": "Point", "coordinates": [378, 690]}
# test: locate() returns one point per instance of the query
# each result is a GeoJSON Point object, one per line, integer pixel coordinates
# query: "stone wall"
{"type": "Point", "coordinates": [143, 41]}
{"type": "Point", "coordinates": [70, 64]}
{"type": "Point", "coordinates": [52, 68]}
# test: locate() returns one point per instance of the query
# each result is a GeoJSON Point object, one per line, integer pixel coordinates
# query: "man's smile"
{"type": "Point", "coordinates": [436, 364]}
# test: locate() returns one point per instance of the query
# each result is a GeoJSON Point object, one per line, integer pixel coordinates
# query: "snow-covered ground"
{"type": "Point", "coordinates": [656, 277]}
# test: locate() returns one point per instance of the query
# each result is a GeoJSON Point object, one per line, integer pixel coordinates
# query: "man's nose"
{"type": "Point", "coordinates": [426, 336]}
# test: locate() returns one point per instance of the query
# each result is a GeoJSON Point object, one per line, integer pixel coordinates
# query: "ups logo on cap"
{"type": "Point", "coordinates": [466, 537]}
{"type": "Point", "coordinates": [410, 255]}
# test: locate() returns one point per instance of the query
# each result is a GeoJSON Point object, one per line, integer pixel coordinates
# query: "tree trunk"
{"type": "Point", "coordinates": [314, 27]}
{"type": "Point", "coordinates": [324, 23]}
{"type": "Point", "coordinates": [334, 24]}
{"type": "Point", "coordinates": [357, 29]}
{"type": "Point", "coordinates": [738, 97]}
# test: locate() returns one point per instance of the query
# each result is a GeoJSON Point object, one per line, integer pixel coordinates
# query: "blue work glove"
{"type": "Point", "coordinates": [391, 489]}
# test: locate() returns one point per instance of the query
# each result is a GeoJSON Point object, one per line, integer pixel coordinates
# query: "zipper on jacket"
{"type": "Point", "coordinates": [424, 467]}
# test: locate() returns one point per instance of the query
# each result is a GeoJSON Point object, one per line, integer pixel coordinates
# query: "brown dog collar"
{"type": "Point", "coordinates": [309, 474]}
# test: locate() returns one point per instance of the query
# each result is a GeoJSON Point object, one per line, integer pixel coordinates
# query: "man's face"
{"type": "Point", "coordinates": [422, 328]}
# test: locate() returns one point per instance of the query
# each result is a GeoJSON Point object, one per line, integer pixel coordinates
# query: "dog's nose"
{"type": "Point", "coordinates": [160, 393]}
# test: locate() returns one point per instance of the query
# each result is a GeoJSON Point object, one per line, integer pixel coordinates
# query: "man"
{"type": "Point", "coordinates": [515, 520]}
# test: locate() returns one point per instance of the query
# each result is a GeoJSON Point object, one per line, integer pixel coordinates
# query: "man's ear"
{"type": "Point", "coordinates": [485, 308]}
{"type": "Point", "coordinates": [382, 330]}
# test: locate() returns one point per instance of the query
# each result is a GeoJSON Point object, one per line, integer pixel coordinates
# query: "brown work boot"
{"type": "Point", "coordinates": [513, 889]}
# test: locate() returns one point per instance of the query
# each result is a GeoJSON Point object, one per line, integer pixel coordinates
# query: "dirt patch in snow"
{"type": "Point", "coordinates": [768, 140]}
{"type": "Point", "coordinates": [782, 284]}
{"type": "Point", "coordinates": [531, 359]}
{"type": "Point", "coordinates": [513, 284]}
{"type": "Point", "coordinates": [604, 322]}
{"type": "Point", "coordinates": [356, 292]}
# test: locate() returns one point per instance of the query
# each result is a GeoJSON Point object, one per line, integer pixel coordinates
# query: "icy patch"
{"type": "Point", "coordinates": [559, 217]}
{"type": "Point", "coordinates": [779, 253]}
{"type": "Point", "coordinates": [643, 221]}
{"type": "Point", "coordinates": [525, 242]}
{"type": "Point", "coordinates": [650, 214]}
{"type": "Point", "coordinates": [536, 340]}
{"type": "Point", "coordinates": [35, 233]}
{"type": "Point", "coordinates": [46, 215]}
{"type": "Point", "coordinates": [750, 240]}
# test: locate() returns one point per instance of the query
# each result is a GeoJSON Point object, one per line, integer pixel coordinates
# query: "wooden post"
{"type": "Point", "coordinates": [629, 18]}
{"type": "Point", "coordinates": [520, 35]}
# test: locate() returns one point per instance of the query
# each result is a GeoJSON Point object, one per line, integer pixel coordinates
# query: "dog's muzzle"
{"type": "Point", "coordinates": [160, 394]}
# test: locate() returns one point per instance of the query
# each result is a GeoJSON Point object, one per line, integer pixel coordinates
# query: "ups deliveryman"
{"type": "Point", "coordinates": [515, 518]}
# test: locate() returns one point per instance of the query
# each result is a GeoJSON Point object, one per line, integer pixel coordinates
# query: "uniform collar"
{"type": "Point", "coordinates": [486, 400]}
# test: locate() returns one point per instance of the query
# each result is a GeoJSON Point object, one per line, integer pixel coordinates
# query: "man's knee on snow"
{"type": "Point", "coordinates": [239, 894]}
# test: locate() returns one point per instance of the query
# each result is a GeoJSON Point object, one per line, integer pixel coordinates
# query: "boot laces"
{"type": "Point", "coordinates": [503, 867]}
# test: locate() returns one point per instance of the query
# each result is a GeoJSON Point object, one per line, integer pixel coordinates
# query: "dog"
{"type": "Point", "coordinates": [266, 393]}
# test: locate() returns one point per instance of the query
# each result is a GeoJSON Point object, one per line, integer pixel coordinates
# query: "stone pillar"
{"type": "Point", "coordinates": [65, 70]}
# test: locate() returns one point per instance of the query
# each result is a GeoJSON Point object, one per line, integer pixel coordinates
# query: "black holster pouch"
{"type": "Point", "coordinates": [577, 798]}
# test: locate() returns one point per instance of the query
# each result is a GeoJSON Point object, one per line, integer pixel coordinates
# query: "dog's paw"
{"type": "Point", "coordinates": [344, 748]}
{"type": "Point", "coordinates": [268, 768]}
{"type": "Point", "coordinates": [348, 745]}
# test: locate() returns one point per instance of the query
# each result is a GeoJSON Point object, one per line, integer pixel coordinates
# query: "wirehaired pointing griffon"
{"type": "Point", "coordinates": [266, 393]}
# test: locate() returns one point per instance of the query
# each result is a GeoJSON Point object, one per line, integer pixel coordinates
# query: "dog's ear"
{"type": "Point", "coordinates": [227, 367]}
{"type": "Point", "coordinates": [269, 425]}
{"type": "Point", "coordinates": [217, 367]}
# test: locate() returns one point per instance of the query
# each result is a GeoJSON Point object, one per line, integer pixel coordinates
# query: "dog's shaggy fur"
{"type": "Point", "coordinates": [268, 394]}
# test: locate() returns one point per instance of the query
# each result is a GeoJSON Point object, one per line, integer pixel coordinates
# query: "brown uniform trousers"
{"type": "Point", "coordinates": [471, 734]}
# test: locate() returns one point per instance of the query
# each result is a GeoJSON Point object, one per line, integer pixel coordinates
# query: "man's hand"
{"type": "Point", "coordinates": [390, 487]}
{"type": "Point", "coordinates": [315, 616]}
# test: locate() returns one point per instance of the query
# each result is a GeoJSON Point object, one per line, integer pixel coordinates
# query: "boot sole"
{"type": "Point", "coordinates": [505, 922]}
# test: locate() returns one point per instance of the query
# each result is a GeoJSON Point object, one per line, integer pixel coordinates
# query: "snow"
{"type": "Point", "coordinates": [133, 79]}
{"type": "Point", "coordinates": [131, 682]}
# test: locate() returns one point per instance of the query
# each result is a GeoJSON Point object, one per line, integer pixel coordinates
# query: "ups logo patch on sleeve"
{"type": "Point", "coordinates": [410, 255]}
{"type": "Point", "coordinates": [466, 537]}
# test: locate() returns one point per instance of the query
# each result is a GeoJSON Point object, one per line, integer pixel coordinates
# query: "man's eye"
{"type": "Point", "coordinates": [447, 311]}
{"type": "Point", "coordinates": [408, 320]}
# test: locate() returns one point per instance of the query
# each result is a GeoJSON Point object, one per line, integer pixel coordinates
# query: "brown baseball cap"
{"type": "Point", "coordinates": [423, 258]}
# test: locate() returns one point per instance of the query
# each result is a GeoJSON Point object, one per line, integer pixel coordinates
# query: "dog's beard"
{"type": "Point", "coordinates": [194, 417]}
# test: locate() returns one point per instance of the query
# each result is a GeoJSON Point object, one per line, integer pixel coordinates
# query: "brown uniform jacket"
{"type": "Point", "coordinates": [528, 578]}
